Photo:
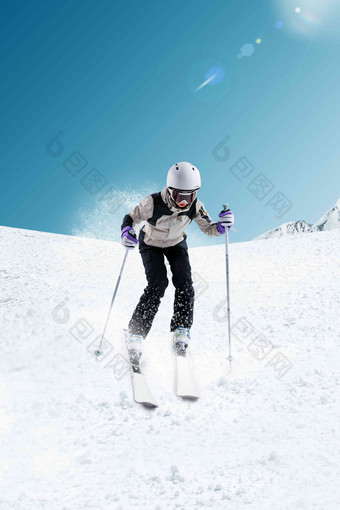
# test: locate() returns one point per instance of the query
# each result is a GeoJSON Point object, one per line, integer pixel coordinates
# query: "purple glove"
{"type": "Point", "coordinates": [226, 220]}
{"type": "Point", "coordinates": [129, 238]}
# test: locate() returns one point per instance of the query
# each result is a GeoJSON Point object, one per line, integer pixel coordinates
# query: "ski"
{"type": "Point", "coordinates": [185, 382]}
{"type": "Point", "coordinates": [141, 391]}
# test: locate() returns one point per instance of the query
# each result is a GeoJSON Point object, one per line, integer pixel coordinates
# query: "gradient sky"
{"type": "Point", "coordinates": [115, 83]}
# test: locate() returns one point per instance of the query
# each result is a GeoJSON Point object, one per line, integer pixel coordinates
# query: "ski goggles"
{"type": "Point", "coordinates": [182, 198]}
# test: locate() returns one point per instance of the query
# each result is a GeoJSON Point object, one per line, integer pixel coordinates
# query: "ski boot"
{"type": "Point", "coordinates": [134, 346]}
{"type": "Point", "coordinates": [181, 337]}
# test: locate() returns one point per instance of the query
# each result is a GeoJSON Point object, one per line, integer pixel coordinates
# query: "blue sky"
{"type": "Point", "coordinates": [115, 84]}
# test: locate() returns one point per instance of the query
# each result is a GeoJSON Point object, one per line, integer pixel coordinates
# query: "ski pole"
{"type": "Point", "coordinates": [225, 208]}
{"type": "Point", "coordinates": [98, 352]}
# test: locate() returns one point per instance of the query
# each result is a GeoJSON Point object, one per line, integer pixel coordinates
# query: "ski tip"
{"type": "Point", "coordinates": [148, 405]}
{"type": "Point", "coordinates": [189, 397]}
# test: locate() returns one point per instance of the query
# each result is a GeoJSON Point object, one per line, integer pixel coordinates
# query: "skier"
{"type": "Point", "coordinates": [167, 214]}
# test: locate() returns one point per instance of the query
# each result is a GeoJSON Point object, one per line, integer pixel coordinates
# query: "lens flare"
{"type": "Point", "coordinates": [206, 82]}
{"type": "Point", "coordinates": [306, 21]}
{"type": "Point", "coordinates": [218, 74]}
{"type": "Point", "coordinates": [213, 76]}
{"type": "Point", "coordinates": [308, 17]}
{"type": "Point", "coordinates": [209, 79]}
{"type": "Point", "coordinates": [247, 50]}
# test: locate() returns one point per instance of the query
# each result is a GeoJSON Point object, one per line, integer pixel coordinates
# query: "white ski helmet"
{"type": "Point", "coordinates": [184, 177]}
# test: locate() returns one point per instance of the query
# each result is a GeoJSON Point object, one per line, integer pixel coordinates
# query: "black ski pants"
{"type": "Point", "coordinates": [156, 275]}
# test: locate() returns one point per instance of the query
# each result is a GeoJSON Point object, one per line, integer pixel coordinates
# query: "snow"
{"type": "Point", "coordinates": [328, 221]}
{"type": "Point", "coordinates": [72, 438]}
{"type": "Point", "coordinates": [289, 228]}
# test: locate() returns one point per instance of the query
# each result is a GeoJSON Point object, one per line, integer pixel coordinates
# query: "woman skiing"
{"type": "Point", "coordinates": [167, 214]}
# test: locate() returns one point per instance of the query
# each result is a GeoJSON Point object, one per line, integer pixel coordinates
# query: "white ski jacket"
{"type": "Point", "coordinates": [164, 223]}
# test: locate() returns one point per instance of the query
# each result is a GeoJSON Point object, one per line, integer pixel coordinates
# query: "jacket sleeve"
{"type": "Point", "coordinates": [141, 212]}
{"type": "Point", "coordinates": [204, 221]}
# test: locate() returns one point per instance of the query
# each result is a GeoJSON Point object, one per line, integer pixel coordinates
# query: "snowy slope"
{"type": "Point", "coordinates": [71, 437]}
{"type": "Point", "coordinates": [329, 221]}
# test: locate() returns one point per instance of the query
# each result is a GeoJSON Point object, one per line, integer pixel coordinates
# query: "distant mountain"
{"type": "Point", "coordinates": [330, 220]}
{"type": "Point", "coordinates": [290, 228]}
